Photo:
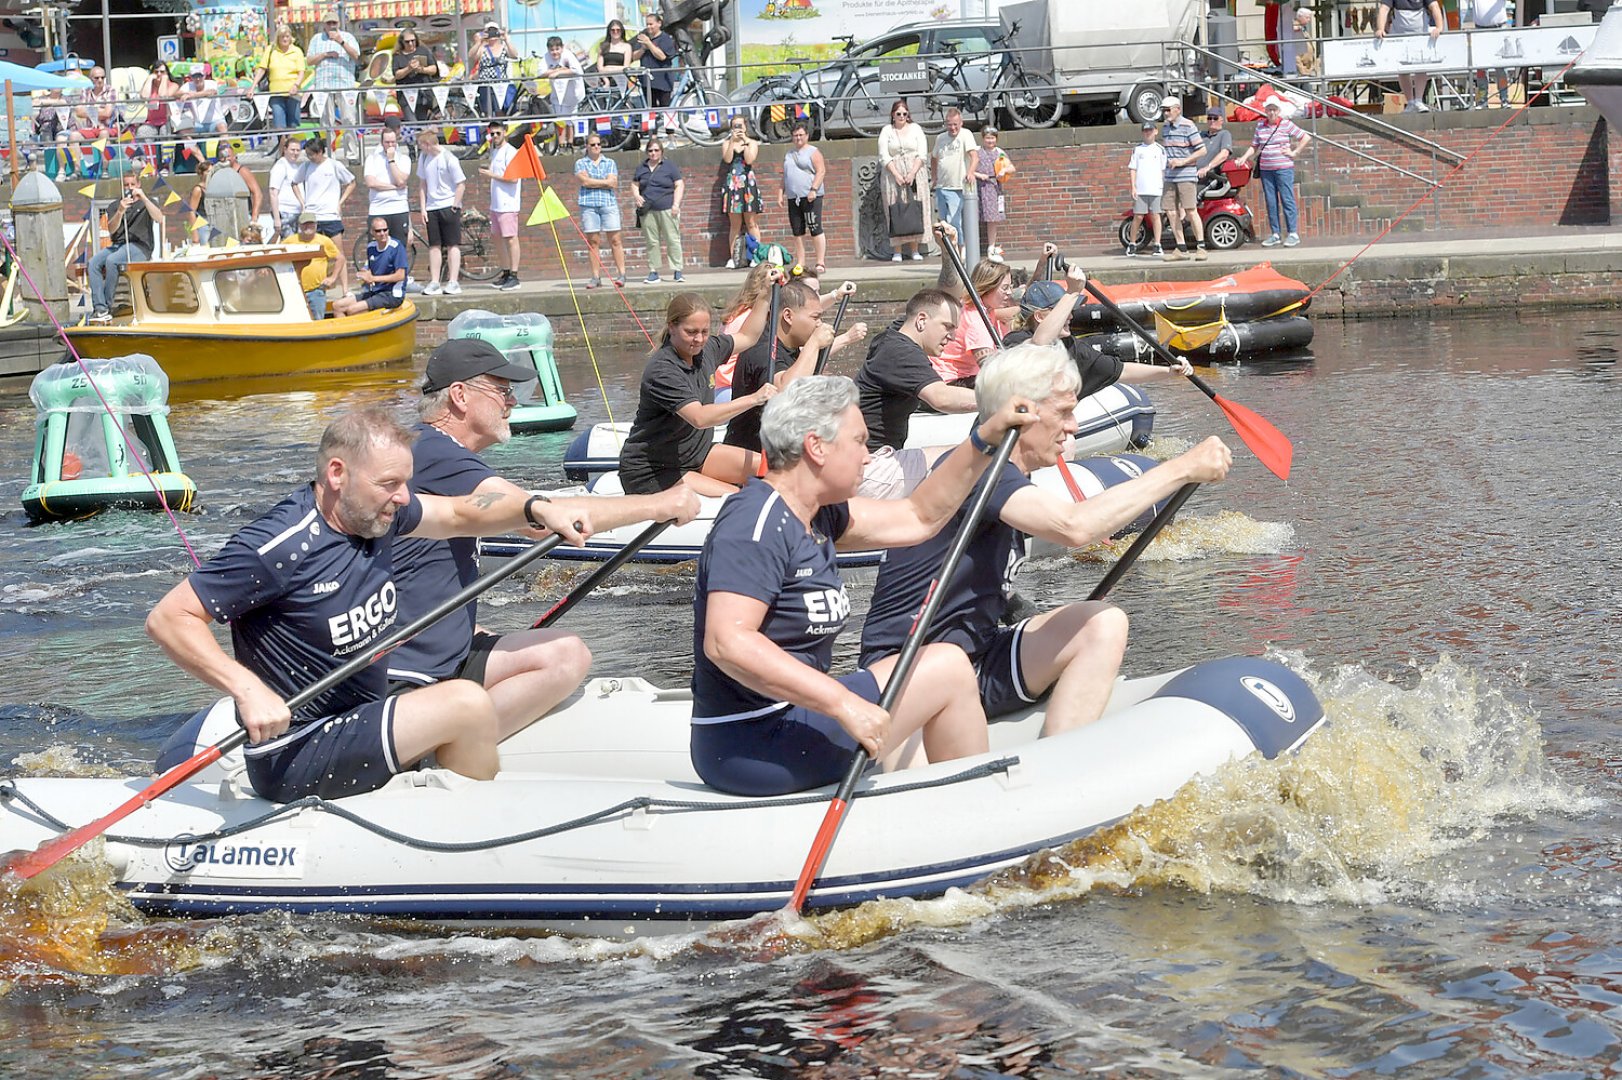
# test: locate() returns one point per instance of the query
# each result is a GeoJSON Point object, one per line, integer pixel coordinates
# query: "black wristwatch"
{"type": "Point", "coordinates": [980, 444]}
{"type": "Point", "coordinates": [529, 505]}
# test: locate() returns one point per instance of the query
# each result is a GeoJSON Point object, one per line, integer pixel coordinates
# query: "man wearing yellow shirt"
{"type": "Point", "coordinates": [321, 272]}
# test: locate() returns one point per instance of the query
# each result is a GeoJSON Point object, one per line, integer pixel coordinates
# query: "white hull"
{"type": "Point", "coordinates": [624, 839]}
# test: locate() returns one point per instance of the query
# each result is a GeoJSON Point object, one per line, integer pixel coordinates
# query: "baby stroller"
{"type": "Point", "coordinates": [1226, 219]}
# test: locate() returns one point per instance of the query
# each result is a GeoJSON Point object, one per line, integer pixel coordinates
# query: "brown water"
{"type": "Point", "coordinates": [1429, 888]}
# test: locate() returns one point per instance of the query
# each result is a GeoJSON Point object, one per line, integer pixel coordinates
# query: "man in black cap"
{"type": "Point", "coordinates": [1044, 317]}
{"type": "Point", "coordinates": [467, 397]}
{"type": "Point", "coordinates": [1218, 143]}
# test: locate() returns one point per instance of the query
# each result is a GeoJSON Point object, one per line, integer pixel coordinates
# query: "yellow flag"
{"type": "Point", "coordinates": [549, 208]}
{"type": "Point", "coordinates": [88, 190]}
{"type": "Point", "coordinates": [1187, 338]}
{"type": "Point", "coordinates": [100, 145]}
{"type": "Point", "coordinates": [212, 148]}
{"type": "Point", "coordinates": [779, 113]}
{"type": "Point", "coordinates": [174, 197]}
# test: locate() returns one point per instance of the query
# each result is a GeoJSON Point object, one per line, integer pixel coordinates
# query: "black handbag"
{"type": "Point", "coordinates": [907, 215]}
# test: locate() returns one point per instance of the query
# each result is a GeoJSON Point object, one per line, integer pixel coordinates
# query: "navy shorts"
{"type": "Point", "coordinates": [1002, 689]}
{"type": "Point", "coordinates": [331, 757]}
{"type": "Point", "coordinates": [793, 749]}
{"type": "Point", "coordinates": [377, 300]}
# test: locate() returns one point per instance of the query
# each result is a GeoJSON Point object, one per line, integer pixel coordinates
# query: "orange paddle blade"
{"type": "Point", "coordinates": [1267, 442]}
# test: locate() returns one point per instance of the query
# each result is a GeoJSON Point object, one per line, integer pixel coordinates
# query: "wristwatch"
{"type": "Point", "coordinates": [980, 444]}
{"type": "Point", "coordinates": [528, 506]}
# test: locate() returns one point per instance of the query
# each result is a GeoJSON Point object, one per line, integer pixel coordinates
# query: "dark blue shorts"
{"type": "Point", "coordinates": [1002, 689]}
{"type": "Point", "coordinates": [330, 757]}
{"type": "Point", "coordinates": [793, 749]}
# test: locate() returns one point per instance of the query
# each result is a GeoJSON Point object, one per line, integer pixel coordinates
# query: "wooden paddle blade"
{"type": "Point", "coordinates": [1267, 442]}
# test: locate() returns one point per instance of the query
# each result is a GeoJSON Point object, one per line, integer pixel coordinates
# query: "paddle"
{"type": "Point", "coordinates": [828, 349]}
{"type": "Point", "coordinates": [1265, 441]}
{"type": "Point", "coordinates": [621, 557]}
{"type": "Point", "coordinates": [1065, 474]}
{"type": "Point", "coordinates": [903, 667]}
{"type": "Point", "coordinates": [1144, 539]}
{"type": "Point", "coordinates": [28, 864]}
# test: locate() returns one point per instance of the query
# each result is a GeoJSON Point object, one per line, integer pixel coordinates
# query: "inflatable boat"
{"type": "Point", "coordinates": [681, 543]}
{"type": "Point", "coordinates": [525, 338]}
{"type": "Point", "coordinates": [1114, 419]}
{"type": "Point", "coordinates": [103, 441]}
{"type": "Point", "coordinates": [1258, 293]}
{"type": "Point", "coordinates": [598, 825]}
{"type": "Point", "coordinates": [1232, 341]}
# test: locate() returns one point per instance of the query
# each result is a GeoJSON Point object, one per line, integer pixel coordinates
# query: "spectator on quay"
{"type": "Point", "coordinates": [252, 234]}
{"type": "Point", "coordinates": [989, 167]}
{"type": "Point", "coordinates": [229, 160]}
{"type": "Point", "coordinates": [1306, 54]}
{"type": "Point", "coordinates": [655, 50]}
{"type": "Point", "coordinates": [443, 186]}
{"type": "Point", "coordinates": [324, 186]}
{"type": "Point", "coordinates": [130, 232]}
{"type": "Point", "coordinates": [1218, 143]}
{"type": "Point", "coordinates": [490, 61]}
{"type": "Point", "coordinates": [383, 276]}
{"type": "Point", "coordinates": [322, 272]}
{"type": "Point", "coordinates": [95, 117]}
{"type": "Point", "coordinates": [415, 68]}
{"type": "Point", "coordinates": [284, 194]}
{"type": "Point", "coordinates": [198, 114]}
{"type": "Point", "coordinates": [903, 151]}
{"type": "Point", "coordinates": [387, 173]}
{"type": "Point", "coordinates": [1184, 148]}
{"type": "Point", "coordinates": [159, 91]}
{"type": "Point", "coordinates": [332, 53]}
{"type": "Point", "coordinates": [1275, 144]}
{"type": "Point", "coordinates": [1402, 17]}
{"type": "Point", "coordinates": [614, 54]}
{"type": "Point", "coordinates": [599, 181]}
{"type": "Point", "coordinates": [949, 166]}
{"type": "Point", "coordinates": [1492, 15]}
{"type": "Point", "coordinates": [568, 81]}
{"type": "Point", "coordinates": [194, 202]}
{"type": "Point", "coordinates": [283, 64]}
{"type": "Point", "coordinates": [506, 197]}
{"type": "Point", "coordinates": [805, 175]}
{"type": "Point", "coordinates": [1147, 170]}
{"type": "Point", "coordinates": [657, 188]}
{"type": "Point", "coordinates": [740, 191]}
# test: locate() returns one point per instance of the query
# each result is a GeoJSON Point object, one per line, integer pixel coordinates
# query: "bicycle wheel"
{"type": "Point", "coordinates": [478, 249]}
{"type": "Point", "coordinates": [1032, 102]}
{"type": "Point", "coordinates": [867, 109]}
{"type": "Point", "coordinates": [778, 126]}
{"type": "Point", "coordinates": [701, 114]}
{"type": "Point", "coordinates": [930, 112]}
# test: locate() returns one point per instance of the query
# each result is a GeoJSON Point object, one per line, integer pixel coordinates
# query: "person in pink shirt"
{"type": "Point", "coordinates": [973, 342]}
{"type": "Point", "coordinates": [1275, 145]}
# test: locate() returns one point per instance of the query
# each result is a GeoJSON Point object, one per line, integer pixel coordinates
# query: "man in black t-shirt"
{"type": "Point", "coordinates": [130, 234]}
{"type": "Point", "coordinates": [1045, 312]}
{"type": "Point", "coordinates": [897, 374]}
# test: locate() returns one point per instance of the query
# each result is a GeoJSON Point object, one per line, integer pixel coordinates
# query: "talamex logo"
{"type": "Point", "coordinates": [235, 858]}
{"type": "Point", "coordinates": [1271, 696]}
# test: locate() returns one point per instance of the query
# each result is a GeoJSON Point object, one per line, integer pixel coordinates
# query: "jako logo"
{"type": "Point", "coordinates": [324, 587]}
{"type": "Point", "coordinates": [1271, 696]}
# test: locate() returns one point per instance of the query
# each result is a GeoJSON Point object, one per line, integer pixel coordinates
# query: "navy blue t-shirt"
{"type": "Point", "coordinates": [429, 572]}
{"type": "Point", "coordinates": [303, 599]}
{"type": "Point", "coordinates": [386, 260]}
{"type": "Point", "coordinates": [760, 549]}
{"type": "Point", "coordinates": [977, 595]}
{"type": "Point", "coordinates": [661, 445]}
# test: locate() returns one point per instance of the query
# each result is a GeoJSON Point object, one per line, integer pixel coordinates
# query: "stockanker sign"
{"type": "Point", "coordinates": [910, 76]}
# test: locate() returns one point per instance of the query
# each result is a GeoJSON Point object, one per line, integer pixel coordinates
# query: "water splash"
{"type": "Point", "coordinates": [1227, 532]}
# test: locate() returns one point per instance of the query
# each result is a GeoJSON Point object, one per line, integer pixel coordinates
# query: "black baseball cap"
{"type": "Point", "coordinates": [1213, 113]}
{"type": "Point", "coordinates": [467, 358]}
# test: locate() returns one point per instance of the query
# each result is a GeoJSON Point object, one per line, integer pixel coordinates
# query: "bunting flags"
{"type": "Point", "coordinates": [548, 208]}
{"type": "Point", "coordinates": [580, 129]}
{"type": "Point", "coordinates": [211, 148]}
{"type": "Point", "coordinates": [261, 105]}
{"type": "Point", "coordinates": [174, 197]}
{"type": "Point", "coordinates": [88, 191]}
{"type": "Point", "coordinates": [442, 95]}
{"type": "Point", "coordinates": [604, 125]}
{"type": "Point", "coordinates": [801, 111]}
{"type": "Point", "coordinates": [646, 122]}
{"type": "Point", "coordinates": [712, 117]}
{"type": "Point", "coordinates": [779, 113]}
{"type": "Point", "coordinates": [412, 96]}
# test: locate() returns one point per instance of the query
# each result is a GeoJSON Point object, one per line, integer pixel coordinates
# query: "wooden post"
{"type": "Point", "coordinates": [11, 132]}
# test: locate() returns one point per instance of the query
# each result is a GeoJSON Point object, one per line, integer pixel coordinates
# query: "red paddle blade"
{"type": "Point", "coordinates": [1267, 442]}
{"type": "Point", "coordinates": [819, 854]}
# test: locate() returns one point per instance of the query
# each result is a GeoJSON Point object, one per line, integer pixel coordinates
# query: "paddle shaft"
{"type": "Point", "coordinates": [1149, 339]}
{"type": "Point", "coordinates": [828, 349]}
{"type": "Point", "coordinates": [903, 668]}
{"type": "Point", "coordinates": [580, 591]}
{"type": "Point", "coordinates": [54, 851]}
{"type": "Point", "coordinates": [1144, 539]}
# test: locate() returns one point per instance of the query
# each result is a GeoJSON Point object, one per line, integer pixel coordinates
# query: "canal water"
{"type": "Point", "coordinates": [1431, 887]}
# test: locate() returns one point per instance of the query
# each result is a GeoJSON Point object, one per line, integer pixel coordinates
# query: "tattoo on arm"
{"type": "Point", "coordinates": [486, 500]}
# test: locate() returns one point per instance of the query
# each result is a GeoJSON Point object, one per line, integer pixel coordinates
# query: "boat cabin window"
{"type": "Point", "coordinates": [253, 290]}
{"type": "Point", "coordinates": [169, 293]}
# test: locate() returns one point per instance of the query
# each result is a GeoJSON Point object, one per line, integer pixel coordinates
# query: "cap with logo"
{"type": "Point", "coordinates": [467, 358]}
{"type": "Point", "coordinates": [1150, 125]}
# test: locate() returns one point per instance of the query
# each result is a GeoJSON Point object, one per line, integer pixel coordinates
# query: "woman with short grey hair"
{"type": "Point", "coordinates": [768, 602]}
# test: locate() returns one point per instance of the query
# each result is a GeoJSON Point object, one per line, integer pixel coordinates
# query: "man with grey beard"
{"type": "Point", "coordinates": [310, 585]}
{"type": "Point", "coordinates": [467, 397]}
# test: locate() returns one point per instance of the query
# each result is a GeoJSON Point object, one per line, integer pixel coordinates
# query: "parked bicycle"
{"type": "Point", "coordinates": [820, 90]}
{"type": "Point", "coordinates": [1028, 100]}
{"type": "Point", "coordinates": [616, 98]}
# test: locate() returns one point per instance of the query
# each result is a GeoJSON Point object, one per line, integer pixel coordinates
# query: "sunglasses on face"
{"type": "Point", "coordinates": [380, 232]}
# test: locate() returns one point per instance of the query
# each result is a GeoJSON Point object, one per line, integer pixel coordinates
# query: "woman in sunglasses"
{"type": "Point", "coordinates": [414, 66]}
{"type": "Point", "coordinates": [613, 53]}
{"type": "Point", "coordinates": [903, 152]}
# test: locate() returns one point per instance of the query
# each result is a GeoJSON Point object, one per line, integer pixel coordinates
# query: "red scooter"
{"type": "Point", "coordinates": [1225, 217]}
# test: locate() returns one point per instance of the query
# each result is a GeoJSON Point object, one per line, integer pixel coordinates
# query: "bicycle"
{"type": "Point", "coordinates": [621, 101]}
{"type": "Point", "coordinates": [701, 111]}
{"type": "Point", "coordinates": [478, 249]}
{"type": "Point", "coordinates": [1028, 100]}
{"type": "Point", "coordinates": [787, 92]}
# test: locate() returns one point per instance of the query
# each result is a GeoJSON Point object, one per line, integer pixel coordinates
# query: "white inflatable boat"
{"type": "Point", "coordinates": [597, 823]}
{"type": "Point", "coordinates": [1116, 418]}
{"type": "Point", "coordinates": [681, 543]}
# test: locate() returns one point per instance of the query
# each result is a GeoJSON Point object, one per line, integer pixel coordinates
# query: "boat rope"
{"type": "Point", "coordinates": [129, 440]}
{"type": "Point", "coordinates": [314, 803]}
{"type": "Point", "coordinates": [1499, 130]}
{"type": "Point", "coordinates": [585, 331]}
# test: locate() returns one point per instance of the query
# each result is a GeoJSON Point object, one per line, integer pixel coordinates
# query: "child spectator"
{"type": "Point", "coordinates": [1148, 172]}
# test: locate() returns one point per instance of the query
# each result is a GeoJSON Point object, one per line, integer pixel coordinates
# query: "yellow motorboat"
{"type": "Point", "coordinates": [222, 314]}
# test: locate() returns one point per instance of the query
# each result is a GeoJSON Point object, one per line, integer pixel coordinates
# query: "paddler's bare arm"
{"type": "Point", "coordinates": [182, 628]}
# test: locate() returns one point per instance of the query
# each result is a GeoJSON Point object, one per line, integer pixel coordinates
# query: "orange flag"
{"type": "Point", "coordinates": [526, 164]}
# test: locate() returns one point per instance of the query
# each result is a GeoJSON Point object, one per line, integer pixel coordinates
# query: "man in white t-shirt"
{"type": "Point", "coordinates": [198, 111]}
{"type": "Point", "coordinates": [1491, 15]}
{"type": "Point", "coordinates": [387, 173]}
{"type": "Point", "coordinates": [505, 198]}
{"type": "Point", "coordinates": [443, 184]}
{"type": "Point", "coordinates": [1148, 172]}
{"type": "Point", "coordinates": [284, 194]}
{"type": "Point", "coordinates": [324, 185]}
{"type": "Point", "coordinates": [949, 168]}
{"type": "Point", "coordinates": [568, 81]}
